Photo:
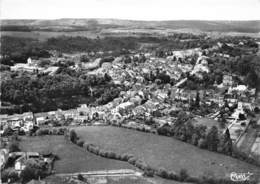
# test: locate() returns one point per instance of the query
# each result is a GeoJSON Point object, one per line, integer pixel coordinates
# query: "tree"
{"type": "Point", "coordinates": [13, 146]}
{"type": "Point", "coordinates": [241, 116]}
{"type": "Point", "coordinates": [183, 175]}
{"type": "Point", "coordinates": [33, 170]}
{"type": "Point", "coordinates": [197, 101]}
{"type": "Point", "coordinates": [73, 136]}
{"type": "Point", "coordinates": [252, 78]}
{"type": "Point", "coordinates": [212, 139]}
{"type": "Point", "coordinates": [202, 143]}
{"type": "Point", "coordinates": [44, 62]}
{"type": "Point", "coordinates": [227, 142]}
{"type": "Point", "coordinates": [194, 139]}
{"type": "Point", "coordinates": [84, 58]}
{"type": "Point", "coordinates": [189, 131]}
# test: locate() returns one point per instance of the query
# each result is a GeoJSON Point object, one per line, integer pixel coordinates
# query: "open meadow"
{"type": "Point", "coordinates": [166, 152]}
{"type": "Point", "coordinates": [71, 157]}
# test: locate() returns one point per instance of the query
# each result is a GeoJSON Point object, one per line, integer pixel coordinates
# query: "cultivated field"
{"type": "Point", "coordinates": [160, 151]}
{"type": "Point", "coordinates": [71, 157]}
{"type": "Point", "coordinates": [44, 35]}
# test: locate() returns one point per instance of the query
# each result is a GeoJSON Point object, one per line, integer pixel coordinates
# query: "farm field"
{"type": "Point", "coordinates": [44, 35]}
{"type": "Point", "coordinates": [247, 140]}
{"type": "Point", "coordinates": [166, 152]}
{"type": "Point", "coordinates": [113, 180]}
{"type": "Point", "coordinates": [71, 157]}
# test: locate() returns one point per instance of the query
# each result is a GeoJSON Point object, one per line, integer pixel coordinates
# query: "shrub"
{"type": "Point", "coordinates": [173, 176]}
{"type": "Point", "coordinates": [102, 153]}
{"type": "Point", "coordinates": [85, 145]}
{"type": "Point", "coordinates": [125, 157]}
{"type": "Point", "coordinates": [73, 136]}
{"type": "Point", "coordinates": [13, 176]}
{"type": "Point", "coordinates": [80, 142]}
{"type": "Point", "coordinates": [148, 171]}
{"type": "Point", "coordinates": [202, 143]}
{"type": "Point", "coordinates": [80, 177]}
{"type": "Point", "coordinates": [55, 131]}
{"type": "Point", "coordinates": [33, 170]}
{"type": "Point", "coordinates": [118, 156]}
{"type": "Point", "coordinates": [162, 173]}
{"type": "Point", "coordinates": [4, 175]}
{"type": "Point", "coordinates": [132, 160]}
{"type": "Point", "coordinates": [42, 132]}
{"type": "Point", "coordinates": [183, 175]}
{"type": "Point", "coordinates": [111, 155]}
{"type": "Point", "coordinates": [141, 165]}
{"type": "Point", "coordinates": [13, 146]}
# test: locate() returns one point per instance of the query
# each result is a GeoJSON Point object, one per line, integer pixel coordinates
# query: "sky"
{"type": "Point", "coordinates": [132, 9]}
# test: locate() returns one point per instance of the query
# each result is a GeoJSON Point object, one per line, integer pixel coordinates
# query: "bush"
{"type": "Point", "coordinates": [80, 177]}
{"type": "Point", "coordinates": [4, 175]}
{"type": "Point", "coordinates": [80, 142]}
{"type": "Point", "coordinates": [13, 176]}
{"type": "Point", "coordinates": [125, 157]}
{"type": "Point", "coordinates": [132, 160]}
{"type": "Point", "coordinates": [102, 153]}
{"type": "Point", "coordinates": [148, 171]}
{"type": "Point", "coordinates": [85, 146]}
{"type": "Point", "coordinates": [173, 176]}
{"type": "Point", "coordinates": [111, 155]}
{"type": "Point", "coordinates": [202, 143]}
{"type": "Point", "coordinates": [183, 175]}
{"type": "Point", "coordinates": [33, 170]}
{"type": "Point", "coordinates": [13, 146]}
{"type": "Point", "coordinates": [73, 136]}
{"type": "Point", "coordinates": [42, 132]}
{"type": "Point", "coordinates": [55, 131]}
{"type": "Point", "coordinates": [61, 131]}
{"type": "Point", "coordinates": [162, 173]}
{"type": "Point", "coordinates": [140, 164]}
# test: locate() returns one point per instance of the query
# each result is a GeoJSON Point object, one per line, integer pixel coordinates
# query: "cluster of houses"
{"type": "Point", "coordinates": [144, 98]}
{"type": "Point", "coordinates": [22, 158]}
{"type": "Point", "coordinates": [32, 66]}
{"type": "Point", "coordinates": [25, 122]}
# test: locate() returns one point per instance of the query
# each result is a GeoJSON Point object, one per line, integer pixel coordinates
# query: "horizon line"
{"type": "Point", "coordinates": [1, 19]}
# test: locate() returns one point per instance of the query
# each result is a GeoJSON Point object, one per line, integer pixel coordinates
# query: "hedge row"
{"type": "Point", "coordinates": [141, 129]}
{"type": "Point", "coordinates": [149, 171]}
{"type": "Point", "coordinates": [51, 131]}
{"type": "Point", "coordinates": [252, 159]}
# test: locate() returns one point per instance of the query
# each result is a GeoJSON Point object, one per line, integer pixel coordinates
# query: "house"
{"type": "Point", "coordinates": [15, 123]}
{"type": "Point", "coordinates": [70, 114]}
{"type": "Point", "coordinates": [51, 70]}
{"type": "Point", "coordinates": [28, 67]}
{"type": "Point", "coordinates": [20, 163]}
{"type": "Point", "coordinates": [227, 80]}
{"type": "Point", "coordinates": [139, 110]}
{"type": "Point", "coordinates": [239, 110]}
{"type": "Point", "coordinates": [28, 125]}
{"type": "Point", "coordinates": [125, 107]}
{"type": "Point", "coordinates": [3, 157]}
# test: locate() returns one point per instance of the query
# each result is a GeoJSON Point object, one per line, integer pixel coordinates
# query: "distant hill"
{"type": "Point", "coordinates": [75, 24]}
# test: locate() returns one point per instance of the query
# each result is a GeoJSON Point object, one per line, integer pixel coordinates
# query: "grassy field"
{"type": "Point", "coordinates": [247, 140]}
{"type": "Point", "coordinates": [160, 151]}
{"type": "Point", "coordinates": [44, 35]}
{"type": "Point", "coordinates": [113, 180]}
{"type": "Point", "coordinates": [72, 158]}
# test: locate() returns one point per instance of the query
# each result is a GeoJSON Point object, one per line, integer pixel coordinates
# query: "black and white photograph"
{"type": "Point", "coordinates": [130, 91]}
